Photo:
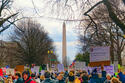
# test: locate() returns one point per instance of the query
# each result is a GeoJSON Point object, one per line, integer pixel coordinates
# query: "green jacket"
{"type": "Point", "coordinates": [48, 80]}
{"type": "Point", "coordinates": [19, 80]}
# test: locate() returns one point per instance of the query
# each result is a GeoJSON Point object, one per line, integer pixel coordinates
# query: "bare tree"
{"type": "Point", "coordinates": [33, 43]}
{"type": "Point", "coordinates": [6, 15]}
{"type": "Point", "coordinates": [111, 11]}
{"type": "Point", "coordinates": [103, 31]}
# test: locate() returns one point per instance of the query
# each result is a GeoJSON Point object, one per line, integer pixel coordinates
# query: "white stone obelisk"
{"type": "Point", "coordinates": [64, 47]}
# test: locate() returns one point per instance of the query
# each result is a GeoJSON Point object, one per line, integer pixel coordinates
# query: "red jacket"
{"type": "Point", "coordinates": [29, 80]}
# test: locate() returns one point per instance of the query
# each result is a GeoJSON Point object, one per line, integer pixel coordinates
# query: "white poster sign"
{"type": "Point", "coordinates": [60, 67]}
{"type": "Point", "coordinates": [32, 70]}
{"type": "Point", "coordinates": [42, 72]}
{"type": "Point", "coordinates": [10, 71]}
{"type": "Point", "coordinates": [80, 65]}
{"type": "Point", "coordinates": [36, 68]}
{"type": "Point", "coordinates": [100, 54]}
{"type": "Point", "coordinates": [108, 69]}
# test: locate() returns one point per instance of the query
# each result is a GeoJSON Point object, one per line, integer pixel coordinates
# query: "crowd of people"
{"type": "Point", "coordinates": [64, 77]}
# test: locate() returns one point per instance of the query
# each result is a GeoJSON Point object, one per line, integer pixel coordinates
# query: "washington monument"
{"type": "Point", "coordinates": [64, 48]}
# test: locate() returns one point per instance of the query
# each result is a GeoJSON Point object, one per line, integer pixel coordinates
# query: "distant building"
{"type": "Point", "coordinates": [7, 53]}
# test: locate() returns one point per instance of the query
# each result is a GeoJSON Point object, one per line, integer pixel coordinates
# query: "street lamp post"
{"type": "Point", "coordinates": [50, 52]}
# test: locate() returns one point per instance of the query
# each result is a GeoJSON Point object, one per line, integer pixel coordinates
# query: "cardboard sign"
{"type": "Point", "coordinates": [19, 68]}
{"type": "Point", "coordinates": [60, 67]}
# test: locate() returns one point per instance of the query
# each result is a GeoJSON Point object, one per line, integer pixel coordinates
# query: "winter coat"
{"type": "Point", "coordinates": [107, 81]}
{"type": "Point", "coordinates": [95, 79]}
{"type": "Point", "coordinates": [48, 80]}
{"type": "Point", "coordinates": [61, 81]}
{"type": "Point", "coordinates": [19, 80]}
{"type": "Point", "coordinates": [122, 77]}
{"type": "Point", "coordinates": [29, 80]}
{"type": "Point", "coordinates": [77, 80]}
{"type": "Point", "coordinates": [85, 79]}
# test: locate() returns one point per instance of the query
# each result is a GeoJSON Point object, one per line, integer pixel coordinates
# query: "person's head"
{"type": "Point", "coordinates": [42, 77]}
{"type": "Point", "coordinates": [71, 77]}
{"type": "Point", "coordinates": [115, 80]}
{"type": "Point", "coordinates": [5, 78]}
{"type": "Point", "coordinates": [47, 75]}
{"type": "Point", "coordinates": [102, 67]}
{"type": "Point", "coordinates": [119, 70]}
{"type": "Point", "coordinates": [17, 75]}
{"type": "Point", "coordinates": [108, 76]}
{"type": "Point", "coordinates": [94, 71]}
{"type": "Point", "coordinates": [33, 76]}
{"type": "Point", "coordinates": [38, 76]}
{"type": "Point", "coordinates": [124, 72]}
{"type": "Point", "coordinates": [71, 73]}
{"type": "Point", "coordinates": [61, 72]}
{"type": "Point", "coordinates": [60, 77]}
{"type": "Point", "coordinates": [84, 73]}
{"type": "Point", "coordinates": [25, 75]}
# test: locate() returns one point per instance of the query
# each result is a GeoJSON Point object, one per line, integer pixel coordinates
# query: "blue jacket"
{"type": "Point", "coordinates": [122, 77]}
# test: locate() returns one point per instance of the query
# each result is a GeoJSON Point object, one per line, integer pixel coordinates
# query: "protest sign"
{"type": "Point", "coordinates": [42, 72]}
{"type": "Point", "coordinates": [10, 71]}
{"type": "Point", "coordinates": [36, 69]}
{"type": "Point", "coordinates": [60, 67]}
{"type": "Point", "coordinates": [20, 68]}
{"type": "Point", "coordinates": [80, 65]}
{"type": "Point", "coordinates": [108, 69]}
{"type": "Point", "coordinates": [32, 70]}
{"type": "Point", "coordinates": [100, 54]}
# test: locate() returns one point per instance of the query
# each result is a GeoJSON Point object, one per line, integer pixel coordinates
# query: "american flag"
{"type": "Point", "coordinates": [73, 63]}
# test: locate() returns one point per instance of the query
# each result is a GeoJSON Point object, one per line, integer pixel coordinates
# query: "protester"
{"type": "Point", "coordinates": [108, 79]}
{"type": "Point", "coordinates": [5, 79]}
{"type": "Point", "coordinates": [115, 80]}
{"type": "Point", "coordinates": [10, 80]}
{"type": "Point", "coordinates": [18, 78]}
{"type": "Point", "coordinates": [33, 76]}
{"type": "Point", "coordinates": [27, 78]}
{"type": "Point", "coordinates": [77, 80]}
{"type": "Point", "coordinates": [47, 78]}
{"type": "Point", "coordinates": [121, 76]}
{"type": "Point", "coordinates": [42, 78]}
{"type": "Point", "coordinates": [60, 79]}
{"type": "Point", "coordinates": [85, 77]}
{"type": "Point", "coordinates": [38, 79]}
{"type": "Point", "coordinates": [71, 77]}
{"type": "Point", "coordinates": [95, 78]}
{"type": "Point", "coordinates": [1, 80]}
